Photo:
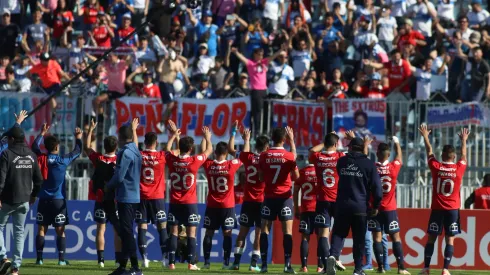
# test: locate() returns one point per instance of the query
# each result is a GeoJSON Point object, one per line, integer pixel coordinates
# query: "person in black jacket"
{"type": "Point", "coordinates": [20, 181]}
{"type": "Point", "coordinates": [358, 182]}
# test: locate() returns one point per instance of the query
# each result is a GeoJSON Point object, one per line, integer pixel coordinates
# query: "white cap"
{"type": "Point", "coordinates": [5, 11]}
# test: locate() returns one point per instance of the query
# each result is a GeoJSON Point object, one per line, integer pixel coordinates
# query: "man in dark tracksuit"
{"type": "Point", "coordinates": [358, 182]}
{"type": "Point", "coordinates": [126, 182]}
{"type": "Point", "coordinates": [20, 181]}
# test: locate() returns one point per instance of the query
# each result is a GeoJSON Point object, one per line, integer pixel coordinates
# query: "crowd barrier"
{"type": "Point", "coordinates": [471, 253]}
{"type": "Point", "coordinates": [81, 232]}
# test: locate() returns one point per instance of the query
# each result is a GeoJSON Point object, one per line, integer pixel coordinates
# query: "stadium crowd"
{"type": "Point", "coordinates": [330, 49]}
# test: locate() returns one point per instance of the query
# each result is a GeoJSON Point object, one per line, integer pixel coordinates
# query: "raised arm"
{"type": "Point", "coordinates": [424, 131]}
{"type": "Point", "coordinates": [290, 138]}
{"type": "Point", "coordinates": [77, 150]}
{"type": "Point", "coordinates": [372, 64]}
{"type": "Point", "coordinates": [367, 141]}
{"type": "Point", "coordinates": [88, 140]}
{"type": "Point", "coordinates": [192, 18]}
{"type": "Point", "coordinates": [274, 56]}
{"type": "Point", "coordinates": [398, 149]}
{"type": "Point", "coordinates": [36, 145]}
{"type": "Point", "coordinates": [134, 126]}
{"type": "Point", "coordinates": [207, 138]}
{"type": "Point", "coordinates": [463, 135]}
{"type": "Point", "coordinates": [175, 136]}
{"type": "Point", "coordinates": [246, 140]}
{"type": "Point", "coordinates": [231, 141]}
{"type": "Point", "coordinates": [240, 56]}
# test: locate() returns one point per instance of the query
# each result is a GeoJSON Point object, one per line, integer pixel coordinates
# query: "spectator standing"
{"type": "Point", "coordinates": [387, 29]}
{"type": "Point", "coordinates": [477, 74]}
{"type": "Point", "coordinates": [302, 53]}
{"type": "Point", "coordinates": [398, 72]}
{"type": "Point", "coordinates": [126, 183]}
{"type": "Point", "coordinates": [50, 74]}
{"type": "Point", "coordinates": [145, 54]}
{"type": "Point", "coordinates": [369, 87]}
{"type": "Point", "coordinates": [280, 74]}
{"type": "Point", "coordinates": [296, 9]}
{"type": "Point", "coordinates": [10, 84]}
{"type": "Point", "coordinates": [463, 29]}
{"type": "Point", "coordinates": [206, 31]}
{"type": "Point", "coordinates": [147, 88]}
{"type": "Point", "coordinates": [116, 74]}
{"type": "Point", "coordinates": [423, 13]}
{"type": "Point", "coordinates": [255, 37]}
{"type": "Point", "coordinates": [90, 12]}
{"type": "Point", "coordinates": [9, 34]}
{"type": "Point", "coordinates": [423, 76]}
{"type": "Point", "coordinates": [202, 62]}
{"type": "Point", "coordinates": [231, 31]}
{"type": "Point", "coordinates": [120, 8]}
{"type": "Point", "coordinates": [62, 20]}
{"type": "Point", "coordinates": [477, 17]}
{"type": "Point", "coordinates": [21, 73]}
{"type": "Point", "coordinates": [14, 9]}
{"type": "Point", "coordinates": [140, 11]}
{"type": "Point", "coordinates": [257, 70]}
{"type": "Point", "coordinates": [217, 76]}
{"type": "Point", "coordinates": [272, 14]}
{"type": "Point", "coordinates": [19, 186]}
{"type": "Point", "coordinates": [203, 90]}
{"type": "Point", "coordinates": [124, 30]}
{"type": "Point", "coordinates": [222, 8]}
{"type": "Point", "coordinates": [408, 34]}
{"type": "Point", "coordinates": [102, 33]}
{"type": "Point", "coordinates": [445, 11]}
{"type": "Point", "coordinates": [36, 32]}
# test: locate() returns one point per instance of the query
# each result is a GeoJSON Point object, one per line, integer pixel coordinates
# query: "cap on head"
{"type": "Point", "coordinates": [365, 18]}
{"type": "Point", "coordinates": [203, 46]}
{"type": "Point", "coordinates": [476, 2]}
{"type": "Point", "coordinates": [376, 76]}
{"type": "Point", "coordinates": [127, 16]}
{"type": "Point", "coordinates": [6, 12]}
{"type": "Point", "coordinates": [408, 22]}
{"type": "Point", "coordinates": [45, 57]}
{"type": "Point", "coordinates": [208, 13]}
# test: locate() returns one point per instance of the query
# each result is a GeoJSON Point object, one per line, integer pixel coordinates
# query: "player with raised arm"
{"type": "Point", "coordinates": [18, 120]}
{"type": "Point", "coordinates": [253, 196]}
{"type": "Point", "coordinates": [105, 208]}
{"type": "Point", "coordinates": [324, 158]}
{"type": "Point", "coordinates": [220, 207]}
{"type": "Point", "coordinates": [447, 177]}
{"type": "Point", "coordinates": [306, 184]}
{"type": "Point", "coordinates": [277, 168]}
{"type": "Point", "coordinates": [183, 198]}
{"type": "Point", "coordinates": [52, 209]}
{"type": "Point", "coordinates": [152, 192]}
{"type": "Point", "coordinates": [387, 218]}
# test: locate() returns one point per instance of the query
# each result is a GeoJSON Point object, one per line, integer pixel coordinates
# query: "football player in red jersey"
{"type": "Point", "coordinates": [324, 158]}
{"type": "Point", "coordinates": [105, 207]}
{"type": "Point", "coordinates": [307, 185]}
{"type": "Point", "coordinates": [387, 218]}
{"type": "Point", "coordinates": [446, 201]}
{"type": "Point", "coordinates": [220, 207]}
{"type": "Point", "coordinates": [277, 168]}
{"type": "Point", "coordinates": [480, 198]}
{"type": "Point", "coordinates": [152, 192]}
{"type": "Point", "coordinates": [183, 198]}
{"type": "Point", "coordinates": [254, 196]}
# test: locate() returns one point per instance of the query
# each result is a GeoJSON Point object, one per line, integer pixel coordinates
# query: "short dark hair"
{"type": "Point", "coordinates": [474, 49]}
{"type": "Point", "coordinates": [9, 70]}
{"type": "Point", "coordinates": [186, 144]}
{"type": "Point", "coordinates": [261, 143]}
{"type": "Point", "coordinates": [328, 14]}
{"type": "Point", "coordinates": [219, 59]}
{"type": "Point", "coordinates": [486, 180]}
{"type": "Point", "coordinates": [330, 140]}
{"type": "Point", "coordinates": [50, 142]}
{"type": "Point", "coordinates": [278, 135]}
{"type": "Point", "coordinates": [125, 133]}
{"type": "Point", "coordinates": [384, 149]}
{"type": "Point", "coordinates": [221, 148]}
{"type": "Point", "coordinates": [110, 144]}
{"type": "Point", "coordinates": [151, 138]}
{"type": "Point", "coordinates": [361, 113]}
{"type": "Point", "coordinates": [449, 149]}
{"type": "Point", "coordinates": [395, 51]}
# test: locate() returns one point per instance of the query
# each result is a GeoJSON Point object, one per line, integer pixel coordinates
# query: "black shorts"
{"type": "Point", "coordinates": [113, 94]}
{"type": "Point", "coordinates": [325, 211]}
{"type": "Point", "coordinates": [151, 211]}
{"type": "Point", "coordinates": [447, 219]}
{"type": "Point", "coordinates": [274, 208]}
{"type": "Point", "coordinates": [185, 214]}
{"type": "Point", "coordinates": [167, 92]}
{"type": "Point", "coordinates": [385, 221]}
{"type": "Point", "coordinates": [216, 218]}
{"type": "Point", "coordinates": [52, 89]}
{"type": "Point", "coordinates": [250, 215]}
{"type": "Point", "coordinates": [307, 222]}
{"type": "Point", "coordinates": [105, 211]}
{"type": "Point", "coordinates": [52, 212]}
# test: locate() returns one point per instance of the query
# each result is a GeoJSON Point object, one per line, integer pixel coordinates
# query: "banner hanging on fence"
{"type": "Point", "coordinates": [217, 114]}
{"type": "Point", "coordinates": [13, 102]}
{"type": "Point", "coordinates": [306, 118]}
{"type": "Point", "coordinates": [366, 117]}
{"type": "Point", "coordinates": [471, 113]}
{"type": "Point", "coordinates": [190, 115]}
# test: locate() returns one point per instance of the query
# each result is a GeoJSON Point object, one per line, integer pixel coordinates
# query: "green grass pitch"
{"type": "Point", "coordinates": [90, 267]}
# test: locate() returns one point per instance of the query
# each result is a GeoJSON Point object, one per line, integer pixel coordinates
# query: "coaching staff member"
{"type": "Point", "coordinates": [20, 181]}
{"type": "Point", "coordinates": [358, 182]}
{"type": "Point", "coordinates": [126, 182]}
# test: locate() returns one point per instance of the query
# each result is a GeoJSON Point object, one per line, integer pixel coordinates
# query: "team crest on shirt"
{"type": "Point", "coordinates": [434, 227]}
{"type": "Point", "coordinates": [286, 211]}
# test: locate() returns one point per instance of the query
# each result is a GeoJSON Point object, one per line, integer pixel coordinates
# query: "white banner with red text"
{"type": "Point", "coordinates": [190, 115]}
